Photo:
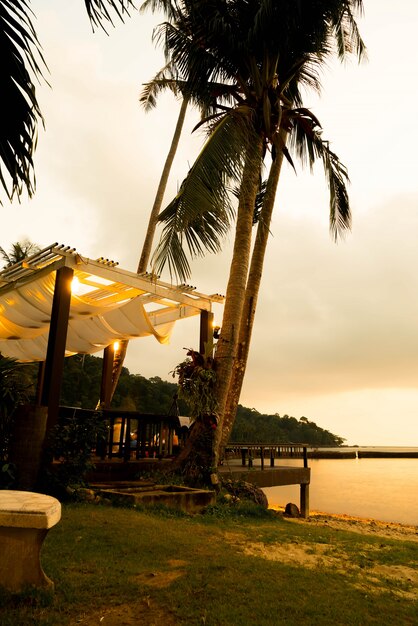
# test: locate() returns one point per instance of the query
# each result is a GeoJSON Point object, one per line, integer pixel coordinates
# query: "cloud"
{"type": "Point", "coordinates": [334, 318]}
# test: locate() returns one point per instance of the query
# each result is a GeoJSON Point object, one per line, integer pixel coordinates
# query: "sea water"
{"type": "Point", "coordinates": [385, 489]}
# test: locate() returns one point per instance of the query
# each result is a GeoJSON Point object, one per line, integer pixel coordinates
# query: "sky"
{"type": "Point", "coordinates": [335, 336]}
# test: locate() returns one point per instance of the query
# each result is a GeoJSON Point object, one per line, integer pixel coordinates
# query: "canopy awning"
{"type": "Point", "coordinates": [107, 304]}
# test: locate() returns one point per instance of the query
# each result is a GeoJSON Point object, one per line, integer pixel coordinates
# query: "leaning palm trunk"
{"type": "Point", "coordinates": [250, 301]}
{"type": "Point", "coordinates": [152, 225]}
{"type": "Point", "coordinates": [235, 294]}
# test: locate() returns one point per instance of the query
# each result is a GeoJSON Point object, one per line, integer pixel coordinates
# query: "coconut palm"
{"type": "Point", "coordinates": [18, 251]}
{"type": "Point", "coordinates": [152, 225]}
{"type": "Point", "coordinates": [263, 52]}
{"type": "Point", "coordinates": [22, 66]}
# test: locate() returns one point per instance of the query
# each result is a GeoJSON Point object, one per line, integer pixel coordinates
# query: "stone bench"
{"type": "Point", "coordinates": [25, 519]}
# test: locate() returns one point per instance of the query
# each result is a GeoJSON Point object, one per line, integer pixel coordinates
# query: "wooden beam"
{"type": "Point", "coordinates": [57, 339]}
{"type": "Point", "coordinates": [206, 333]}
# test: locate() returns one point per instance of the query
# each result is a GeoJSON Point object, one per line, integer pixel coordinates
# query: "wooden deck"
{"type": "Point", "coordinates": [248, 462]}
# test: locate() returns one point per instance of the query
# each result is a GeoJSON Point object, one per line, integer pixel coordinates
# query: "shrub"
{"type": "Point", "coordinates": [71, 443]}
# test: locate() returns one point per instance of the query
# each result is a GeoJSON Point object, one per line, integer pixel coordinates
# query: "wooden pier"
{"type": "Point", "coordinates": [259, 464]}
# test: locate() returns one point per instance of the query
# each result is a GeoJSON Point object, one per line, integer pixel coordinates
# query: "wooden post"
{"type": "Point", "coordinates": [262, 457]}
{"type": "Point", "coordinates": [40, 383]}
{"type": "Point", "coordinates": [106, 382]}
{"type": "Point", "coordinates": [57, 339]}
{"type": "Point", "coordinates": [243, 455]}
{"type": "Point", "coordinates": [304, 500]}
{"type": "Point", "coordinates": [206, 333]}
{"type": "Point", "coordinates": [305, 456]}
{"type": "Point", "coordinates": [127, 439]}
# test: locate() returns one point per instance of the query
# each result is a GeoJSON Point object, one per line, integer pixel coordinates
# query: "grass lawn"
{"type": "Point", "coordinates": [120, 567]}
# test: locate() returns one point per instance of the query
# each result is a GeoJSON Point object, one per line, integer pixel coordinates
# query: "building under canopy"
{"type": "Point", "coordinates": [57, 303]}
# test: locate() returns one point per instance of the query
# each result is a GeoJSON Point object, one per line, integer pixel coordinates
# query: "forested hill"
{"type": "Point", "coordinates": [252, 426]}
{"type": "Point", "coordinates": [81, 386]}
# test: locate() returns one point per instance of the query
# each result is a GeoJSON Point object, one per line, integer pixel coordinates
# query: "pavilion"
{"type": "Point", "coordinates": [57, 303]}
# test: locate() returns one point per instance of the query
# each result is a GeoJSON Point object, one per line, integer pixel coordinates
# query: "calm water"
{"type": "Point", "coordinates": [383, 489]}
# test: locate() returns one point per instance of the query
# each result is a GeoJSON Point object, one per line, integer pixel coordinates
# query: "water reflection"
{"type": "Point", "coordinates": [384, 489]}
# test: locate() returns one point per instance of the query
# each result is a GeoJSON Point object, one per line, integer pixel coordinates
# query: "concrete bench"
{"type": "Point", "coordinates": [25, 519]}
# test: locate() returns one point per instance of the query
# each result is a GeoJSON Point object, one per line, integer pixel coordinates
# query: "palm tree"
{"type": "Point", "coordinates": [337, 176]}
{"type": "Point", "coordinates": [19, 251]}
{"type": "Point", "coordinates": [22, 65]}
{"type": "Point", "coordinates": [263, 52]}
{"type": "Point", "coordinates": [152, 225]}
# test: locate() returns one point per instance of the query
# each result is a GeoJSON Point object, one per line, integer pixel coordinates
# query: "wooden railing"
{"type": "Point", "coordinates": [130, 434]}
{"type": "Point", "coordinates": [250, 451]}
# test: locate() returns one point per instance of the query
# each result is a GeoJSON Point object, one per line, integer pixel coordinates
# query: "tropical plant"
{"type": "Point", "coordinates": [19, 250]}
{"type": "Point", "coordinates": [71, 444]}
{"type": "Point", "coordinates": [196, 382]}
{"type": "Point", "coordinates": [13, 392]}
{"type": "Point", "coordinates": [253, 59]}
{"type": "Point", "coordinates": [22, 66]}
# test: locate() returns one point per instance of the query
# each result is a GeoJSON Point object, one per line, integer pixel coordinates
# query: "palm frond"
{"type": "Point", "coordinates": [162, 81]}
{"type": "Point", "coordinates": [20, 54]}
{"type": "Point", "coordinates": [98, 11]}
{"type": "Point", "coordinates": [169, 8]}
{"type": "Point", "coordinates": [337, 179]}
{"type": "Point", "coordinates": [306, 140]}
{"type": "Point", "coordinates": [347, 34]}
{"type": "Point", "coordinates": [259, 200]}
{"type": "Point", "coordinates": [201, 213]}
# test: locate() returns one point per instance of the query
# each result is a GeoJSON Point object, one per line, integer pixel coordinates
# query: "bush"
{"type": "Point", "coordinates": [71, 443]}
{"type": "Point", "coordinates": [13, 392]}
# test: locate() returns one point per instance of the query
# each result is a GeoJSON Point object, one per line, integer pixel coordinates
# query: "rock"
{"type": "Point", "coordinates": [86, 494]}
{"type": "Point", "coordinates": [242, 490]}
{"type": "Point", "coordinates": [291, 510]}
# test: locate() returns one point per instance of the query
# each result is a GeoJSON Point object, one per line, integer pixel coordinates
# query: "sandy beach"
{"type": "Point", "coordinates": [365, 526]}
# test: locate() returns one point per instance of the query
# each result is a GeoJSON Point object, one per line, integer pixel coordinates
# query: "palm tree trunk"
{"type": "Point", "coordinates": [250, 301]}
{"type": "Point", "coordinates": [152, 225]}
{"type": "Point", "coordinates": [235, 293]}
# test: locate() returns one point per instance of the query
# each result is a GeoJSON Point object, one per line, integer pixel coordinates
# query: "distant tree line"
{"type": "Point", "coordinates": [81, 386]}
{"type": "Point", "coordinates": [252, 426]}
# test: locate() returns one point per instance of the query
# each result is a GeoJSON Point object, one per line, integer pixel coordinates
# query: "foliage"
{"type": "Point", "coordinates": [13, 392]}
{"type": "Point", "coordinates": [245, 64]}
{"type": "Point", "coordinates": [71, 443]}
{"type": "Point", "coordinates": [8, 473]}
{"type": "Point", "coordinates": [22, 66]}
{"type": "Point", "coordinates": [18, 251]}
{"type": "Point", "coordinates": [196, 381]}
{"type": "Point", "coordinates": [252, 426]}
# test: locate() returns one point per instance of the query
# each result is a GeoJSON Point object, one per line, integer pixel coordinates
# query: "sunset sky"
{"type": "Point", "coordinates": [336, 330]}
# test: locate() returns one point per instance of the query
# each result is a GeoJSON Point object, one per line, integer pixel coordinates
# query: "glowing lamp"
{"type": "Point", "coordinates": [75, 285]}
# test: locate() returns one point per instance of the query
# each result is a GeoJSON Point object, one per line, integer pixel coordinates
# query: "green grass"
{"type": "Point", "coordinates": [231, 567]}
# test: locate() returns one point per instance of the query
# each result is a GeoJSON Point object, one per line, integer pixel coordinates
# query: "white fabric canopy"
{"type": "Point", "coordinates": [110, 306]}
{"type": "Point", "coordinates": [25, 317]}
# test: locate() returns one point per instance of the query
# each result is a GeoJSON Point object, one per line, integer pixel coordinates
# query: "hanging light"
{"type": "Point", "coordinates": [216, 332]}
{"type": "Point", "coordinates": [75, 285]}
